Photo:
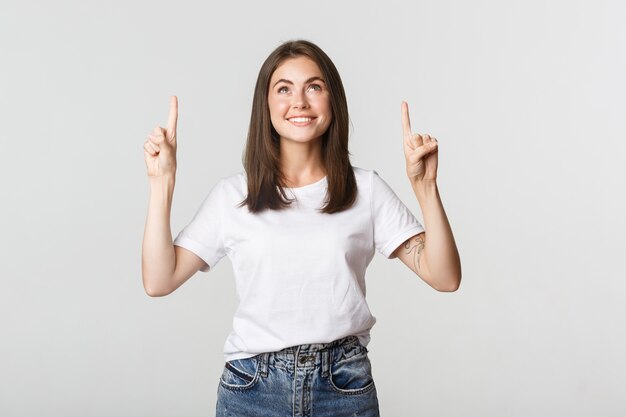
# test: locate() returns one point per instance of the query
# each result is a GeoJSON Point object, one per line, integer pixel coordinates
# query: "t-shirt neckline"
{"type": "Point", "coordinates": [311, 186]}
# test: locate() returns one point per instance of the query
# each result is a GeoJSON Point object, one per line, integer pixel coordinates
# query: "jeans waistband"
{"type": "Point", "coordinates": [347, 342]}
{"type": "Point", "coordinates": [307, 355]}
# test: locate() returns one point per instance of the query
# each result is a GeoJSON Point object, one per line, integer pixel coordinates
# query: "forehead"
{"type": "Point", "coordinates": [297, 69]}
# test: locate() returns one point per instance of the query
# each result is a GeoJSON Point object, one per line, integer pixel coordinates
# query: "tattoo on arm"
{"type": "Point", "coordinates": [416, 246]}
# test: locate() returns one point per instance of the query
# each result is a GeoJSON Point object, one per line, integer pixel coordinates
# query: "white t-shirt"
{"type": "Point", "coordinates": [299, 273]}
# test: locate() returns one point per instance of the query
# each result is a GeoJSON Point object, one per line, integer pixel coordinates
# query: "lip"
{"type": "Point", "coordinates": [301, 115]}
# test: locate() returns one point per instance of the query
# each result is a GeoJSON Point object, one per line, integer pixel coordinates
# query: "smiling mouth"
{"type": "Point", "coordinates": [301, 121]}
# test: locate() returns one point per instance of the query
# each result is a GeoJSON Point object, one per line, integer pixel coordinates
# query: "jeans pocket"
{"type": "Point", "coordinates": [240, 374]}
{"type": "Point", "coordinates": [352, 374]}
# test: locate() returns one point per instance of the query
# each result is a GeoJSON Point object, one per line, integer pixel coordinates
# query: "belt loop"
{"type": "Point", "coordinates": [263, 365]}
{"type": "Point", "coordinates": [326, 362]}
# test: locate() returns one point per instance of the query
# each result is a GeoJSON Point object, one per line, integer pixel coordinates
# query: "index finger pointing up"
{"type": "Point", "coordinates": [406, 123]}
{"type": "Point", "coordinates": [173, 117]}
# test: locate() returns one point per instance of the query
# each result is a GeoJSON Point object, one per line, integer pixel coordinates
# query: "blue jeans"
{"type": "Point", "coordinates": [312, 380]}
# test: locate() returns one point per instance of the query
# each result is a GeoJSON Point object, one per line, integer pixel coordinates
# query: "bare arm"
{"type": "Point", "coordinates": [411, 254]}
{"type": "Point", "coordinates": [433, 256]}
{"type": "Point", "coordinates": [163, 266]}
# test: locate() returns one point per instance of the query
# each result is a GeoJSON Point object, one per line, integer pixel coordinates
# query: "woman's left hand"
{"type": "Point", "coordinates": [420, 151]}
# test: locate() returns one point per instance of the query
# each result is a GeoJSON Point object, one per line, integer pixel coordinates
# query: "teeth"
{"type": "Point", "coordinates": [301, 119]}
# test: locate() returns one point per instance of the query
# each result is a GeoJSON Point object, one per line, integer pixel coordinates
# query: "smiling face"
{"type": "Point", "coordinates": [299, 101]}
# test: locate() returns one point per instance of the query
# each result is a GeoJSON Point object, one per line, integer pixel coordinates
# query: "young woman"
{"type": "Point", "coordinates": [300, 227]}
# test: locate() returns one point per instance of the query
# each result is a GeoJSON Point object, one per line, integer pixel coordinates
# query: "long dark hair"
{"type": "Point", "coordinates": [261, 158]}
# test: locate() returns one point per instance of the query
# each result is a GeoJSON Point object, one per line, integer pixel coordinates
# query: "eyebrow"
{"type": "Point", "coordinates": [306, 82]}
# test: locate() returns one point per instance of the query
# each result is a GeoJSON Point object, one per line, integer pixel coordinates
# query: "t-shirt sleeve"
{"type": "Point", "coordinates": [393, 221]}
{"type": "Point", "coordinates": [204, 235]}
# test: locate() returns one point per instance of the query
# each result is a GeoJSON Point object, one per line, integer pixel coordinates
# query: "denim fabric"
{"type": "Point", "coordinates": [311, 380]}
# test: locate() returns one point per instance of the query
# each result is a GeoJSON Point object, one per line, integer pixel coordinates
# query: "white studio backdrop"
{"type": "Point", "coordinates": [526, 99]}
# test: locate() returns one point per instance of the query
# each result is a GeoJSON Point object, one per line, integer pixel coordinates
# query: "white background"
{"type": "Point", "coordinates": [526, 99]}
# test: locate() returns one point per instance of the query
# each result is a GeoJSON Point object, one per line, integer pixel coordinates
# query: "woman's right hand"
{"type": "Point", "coordinates": [160, 147]}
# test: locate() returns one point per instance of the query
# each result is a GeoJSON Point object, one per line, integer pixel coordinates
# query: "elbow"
{"type": "Point", "coordinates": [451, 288]}
{"type": "Point", "coordinates": [449, 285]}
{"type": "Point", "coordinates": [153, 290]}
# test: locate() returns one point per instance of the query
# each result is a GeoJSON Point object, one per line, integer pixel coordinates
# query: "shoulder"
{"type": "Point", "coordinates": [226, 189]}
{"type": "Point", "coordinates": [368, 177]}
{"type": "Point", "coordinates": [233, 182]}
{"type": "Point", "coordinates": [363, 175]}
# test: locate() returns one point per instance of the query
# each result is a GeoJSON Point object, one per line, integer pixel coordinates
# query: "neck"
{"type": "Point", "coordinates": [301, 163]}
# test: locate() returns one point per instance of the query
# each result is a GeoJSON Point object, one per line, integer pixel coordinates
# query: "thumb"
{"type": "Point", "coordinates": [159, 134]}
{"type": "Point", "coordinates": [421, 151]}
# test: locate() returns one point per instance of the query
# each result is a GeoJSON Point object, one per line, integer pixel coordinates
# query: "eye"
{"type": "Point", "coordinates": [281, 89]}
{"type": "Point", "coordinates": [319, 88]}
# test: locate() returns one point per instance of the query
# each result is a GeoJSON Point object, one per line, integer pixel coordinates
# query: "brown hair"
{"type": "Point", "coordinates": [261, 158]}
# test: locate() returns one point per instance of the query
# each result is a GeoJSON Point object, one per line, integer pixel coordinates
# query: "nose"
{"type": "Point", "coordinates": [299, 100]}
